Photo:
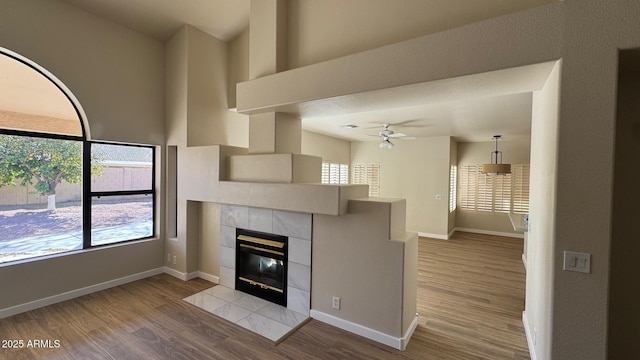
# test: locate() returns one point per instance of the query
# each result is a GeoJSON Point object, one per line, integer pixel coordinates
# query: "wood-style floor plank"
{"type": "Point", "coordinates": [470, 301]}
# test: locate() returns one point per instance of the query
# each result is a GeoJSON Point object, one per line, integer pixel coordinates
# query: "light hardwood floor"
{"type": "Point", "coordinates": [470, 300]}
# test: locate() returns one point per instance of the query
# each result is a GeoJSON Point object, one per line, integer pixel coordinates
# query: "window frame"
{"type": "Point", "coordinates": [89, 194]}
{"type": "Point", "coordinates": [86, 199]}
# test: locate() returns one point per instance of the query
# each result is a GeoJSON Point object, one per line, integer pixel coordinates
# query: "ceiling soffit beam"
{"type": "Point", "coordinates": [482, 47]}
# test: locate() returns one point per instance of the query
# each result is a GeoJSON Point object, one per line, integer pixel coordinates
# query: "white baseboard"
{"type": "Point", "coordinates": [180, 275]}
{"type": "Point", "coordinates": [433, 236]}
{"type": "Point", "coordinates": [375, 335]}
{"type": "Point", "coordinates": [192, 275]}
{"type": "Point", "coordinates": [527, 332]}
{"type": "Point", "coordinates": [211, 278]}
{"type": "Point", "coordinates": [175, 273]}
{"type": "Point", "coordinates": [10, 311]}
{"type": "Point", "coordinates": [489, 232]}
{"type": "Point", "coordinates": [407, 336]}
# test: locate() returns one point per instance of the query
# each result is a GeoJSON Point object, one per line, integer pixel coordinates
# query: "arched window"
{"type": "Point", "coordinates": [59, 191]}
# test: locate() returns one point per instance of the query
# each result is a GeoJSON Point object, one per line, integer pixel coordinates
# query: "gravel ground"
{"type": "Point", "coordinates": [21, 223]}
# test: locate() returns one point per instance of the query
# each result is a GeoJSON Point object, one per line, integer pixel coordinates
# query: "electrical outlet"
{"type": "Point", "coordinates": [335, 303]}
{"type": "Point", "coordinates": [174, 259]}
{"type": "Point", "coordinates": [169, 258]}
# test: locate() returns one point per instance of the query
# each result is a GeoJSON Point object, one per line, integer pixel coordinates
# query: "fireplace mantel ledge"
{"type": "Point", "coordinates": [307, 198]}
{"type": "Point", "coordinates": [204, 173]}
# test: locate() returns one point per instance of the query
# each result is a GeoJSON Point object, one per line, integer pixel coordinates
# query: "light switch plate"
{"type": "Point", "coordinates": [577, 261]}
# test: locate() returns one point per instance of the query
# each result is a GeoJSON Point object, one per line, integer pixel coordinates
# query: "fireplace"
{"type": "Point", "coordinates": [261, 265]}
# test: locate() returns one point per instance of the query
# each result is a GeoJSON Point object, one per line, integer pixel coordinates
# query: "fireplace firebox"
{"type": "Point", "coordinates": [261, 265]}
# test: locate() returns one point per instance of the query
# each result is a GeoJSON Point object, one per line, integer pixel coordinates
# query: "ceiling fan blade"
{"type": "Point", "coordinates": [407, 138]}
{"type": "Point", "coordinates": [410, 123]}
{"type": "Point", "coordinates": [397, 135]}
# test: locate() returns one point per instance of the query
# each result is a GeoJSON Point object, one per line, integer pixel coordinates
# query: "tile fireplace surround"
{"type": "Point", "coordinates": [296, 226]}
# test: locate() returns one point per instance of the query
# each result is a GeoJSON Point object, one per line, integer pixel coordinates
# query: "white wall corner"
{"type": "Point", "coordinates": [527, 332]}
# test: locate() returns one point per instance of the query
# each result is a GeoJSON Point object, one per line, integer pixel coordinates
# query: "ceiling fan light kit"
{"type": "Point", "coordinates": [386, 144]}
{"type": "Point", "coordinates": [496, 167]}
{"type": "Point", "coordinates": [388, 134]}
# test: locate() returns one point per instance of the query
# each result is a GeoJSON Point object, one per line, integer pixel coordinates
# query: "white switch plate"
{"type": "Point", "coordinates": [577, 261]}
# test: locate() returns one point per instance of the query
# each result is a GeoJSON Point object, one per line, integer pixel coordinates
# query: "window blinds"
{"type": "Point", "coordinates": [368, 174]}
{"type": "Point", "coordinates": [333, 173]}
{"type": "Point", "coordinates": [502, 194]}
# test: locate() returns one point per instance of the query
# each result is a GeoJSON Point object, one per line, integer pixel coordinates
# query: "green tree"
{"type": "Point", "coordinates": [44, 161]}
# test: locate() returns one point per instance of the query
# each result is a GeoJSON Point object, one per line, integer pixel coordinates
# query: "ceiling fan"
{"type": "Point", "coordinates": [387, 134]}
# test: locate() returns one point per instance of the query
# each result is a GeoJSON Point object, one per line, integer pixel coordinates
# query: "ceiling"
{"type": "Point", "coordinates": [469, 115]}
{"type": "Point", "coordinates": [161, 19]}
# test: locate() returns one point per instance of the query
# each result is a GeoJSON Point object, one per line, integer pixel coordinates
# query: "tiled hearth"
{"type": "Point", "coordinates": [296, 226]}
{"type": "Point", "coordinates": [260, 316]}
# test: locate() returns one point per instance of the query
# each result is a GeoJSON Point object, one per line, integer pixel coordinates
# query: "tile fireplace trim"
{"type": "Point", "coordinates": [296, 226]}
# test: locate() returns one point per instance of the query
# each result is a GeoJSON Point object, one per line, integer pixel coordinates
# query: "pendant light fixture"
{"type": "Point", "coordinates": [496, 167]}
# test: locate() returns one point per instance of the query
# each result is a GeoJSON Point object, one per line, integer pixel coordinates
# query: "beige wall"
{"type": "Point", "coordinates": [384, 301]}
{"type": "Point", "coordinates": [593, 33]}
{"type": "Point", "coordinates": [416, 170]}
{"type": "Point", "coordinates": [328, 148]}
{"type": "Point", "coordinates": [116, 74]}
{"type": "Point", "coordinates": [176, 88]}
{"type": "Point", "coordinates": [209, 121]}
{"type": "Point", "coordinates": [513, 152]}
{"type": "Point", "coordinates": [324, 30]}
{"type": "Point", "coordinates": [238, 61]}
{"type": "Point", "coordinates": [208, 249]}
{"type": "Point", "coordinates": [197, 92]}
{"type": "Point", "coordinates": [118, 77]}
{"type": "Point", "coordinates": [55, 275]}
{"type": "Point", "coordinates": [199, 77]}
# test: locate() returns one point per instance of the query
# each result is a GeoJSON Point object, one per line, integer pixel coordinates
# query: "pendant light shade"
{"type": "Point", "coordinates": [496, 167]}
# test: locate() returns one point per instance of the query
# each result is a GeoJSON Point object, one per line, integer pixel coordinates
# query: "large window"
{"type": "Point", "coordinates": [500, 194]}
{"type": "Point", "coordinates": [44, 208]}
{"type": "Point", "coordinates": [58, 191]}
